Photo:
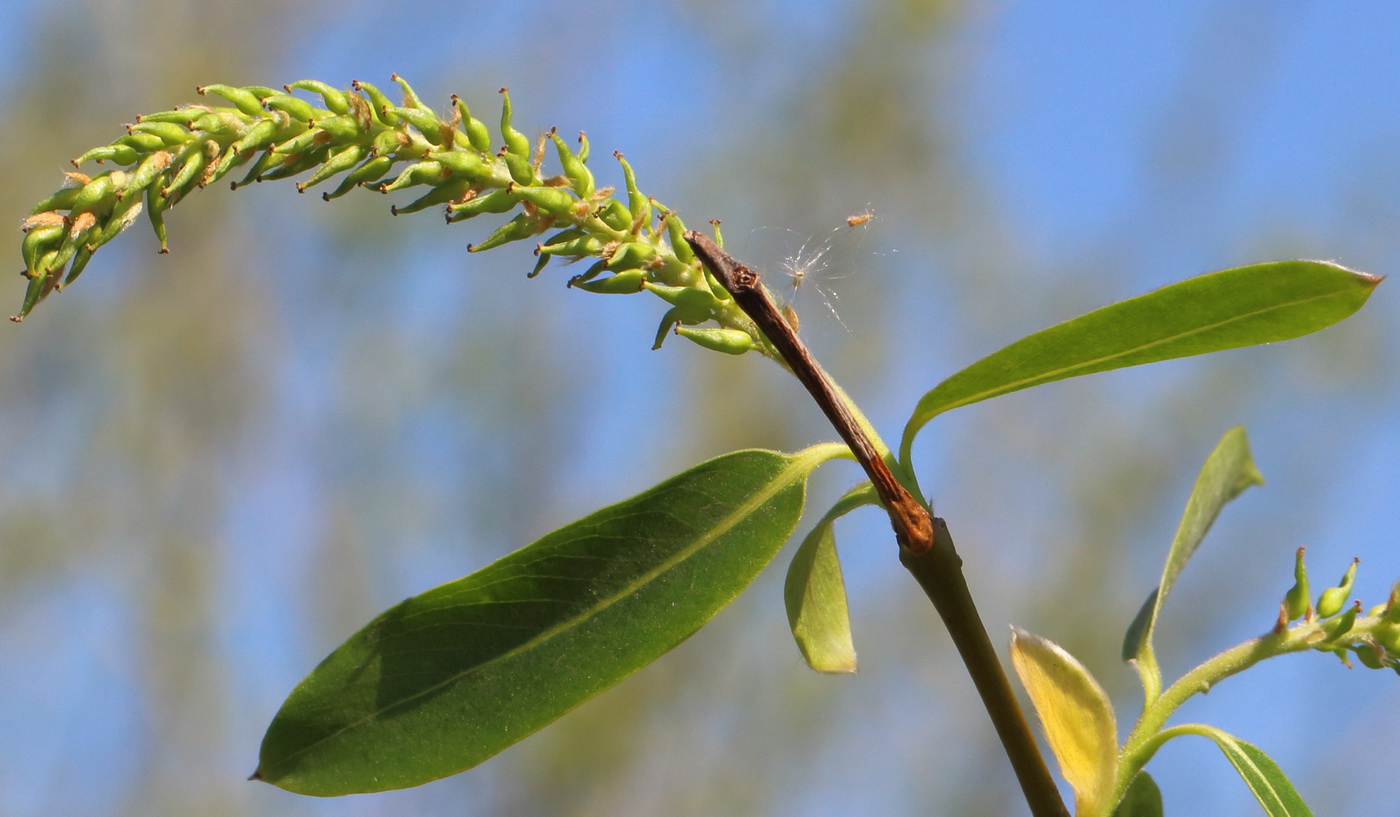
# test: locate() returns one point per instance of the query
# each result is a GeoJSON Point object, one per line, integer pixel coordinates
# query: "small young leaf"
{"type": "Point", "coordinates": [1142, 799]}
{"type": "Point", "coordinates": [1077, 718]}
{"type": "Point", "coordinates": [815, 592]}
{"type": "Point", "coordinates": [1259, 771]}
{"type": "Point", "coordinates": [1227, 472]}
{"type": "Point", "coordinates": [1223, 310]}
{"type": "Point", "coordinates": [450, 677]}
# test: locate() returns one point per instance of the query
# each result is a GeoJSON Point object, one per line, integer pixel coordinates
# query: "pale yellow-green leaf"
{"type": "Point", "coordinates": [1076, 716]}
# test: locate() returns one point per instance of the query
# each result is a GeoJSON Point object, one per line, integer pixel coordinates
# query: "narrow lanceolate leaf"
{"type": "Point", "coordinates": [1265, 779]}
{"type": "Point", "coordinates": [1227, 472]}
{"type": "Point", "coordinates": [1142, 799]}
{"type": "Point", "coordinates": [450, 677]}
{"type": "Point", "coordinates": [1223, 310]}
{"type": "Point", "coordinates": [1076, 715]}
{"type": "Point", "coordinates": [815, 592]}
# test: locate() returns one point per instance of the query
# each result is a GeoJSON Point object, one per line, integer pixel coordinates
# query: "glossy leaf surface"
{"type": "Point", "coordinates": [450, 677]}
{"type": "Point", "coordinates": [1227, 472]}
{"type": "Point", "coordinates": [1223, 310]}
{"type": "Point", "coordinates": [1076, 715]}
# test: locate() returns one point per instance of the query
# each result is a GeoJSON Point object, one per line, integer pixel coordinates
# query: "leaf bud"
{"type": "Point", "coordinates": [1334, 598]}
{"type": "Point", "coordinates": [728, 341]}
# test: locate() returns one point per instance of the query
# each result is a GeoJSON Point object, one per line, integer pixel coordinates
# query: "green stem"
{"type": "Point", "coordinates": [1148, 735]}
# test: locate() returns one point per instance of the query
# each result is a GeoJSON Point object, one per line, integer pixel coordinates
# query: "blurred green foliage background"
{"type": "Point", "coordinates": [220, 463]}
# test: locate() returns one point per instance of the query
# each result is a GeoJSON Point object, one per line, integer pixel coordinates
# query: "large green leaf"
{"type": "Point", "coordinates": [1227, 472]}
{"type": "Point", "coordinates": [1223, 310]}
{"type": "Point", "coordinates": [1265, 779]}
{"type": "Point", "coordinates": [450, 677]}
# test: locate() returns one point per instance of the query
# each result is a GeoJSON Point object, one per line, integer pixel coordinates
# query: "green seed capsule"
{"type": "Point", "coordinates": [306, 140]}
{"type": "Point", "coordinates": [39, 286]}
{"type": "Point", "coordinates": [219, 124]}
{"type": "Point", "coordinates": [1298, 600]}
{"type": "Point", "coordinates": [295, 107]}
{"type": "Point", "coordinates": [242, 98]}
{"type": "Point", "coordinates": [521, 171]}
{"type": "Point", "coordinates": [1392, 606]}
{"type": "Point", "coordinates": [675, 229]}
{"type": "Point", "coordinates": [410, 97]}
{"type": "Point", "coordinates": [424, 172]}
{"type": "Point", "coordinates": [171, 133]}
{"type": "Point", "coordinates": [626, 282]}
{"type": "Point", "coordinates": [697, 304]}
{"type": "Point", "coordinates": [62, 199]}
{"type": "Point", "coordinates": [370, 172]}
{"type": "Point", "coordinates": [1342, 624]}
{"type": "Point", "coordinates": [517, 143]}
{"type": "Point", "coordinates": [1334, 598]}
{"type": "Point", "coordinates": [520, 227]}
{"type": "Point", "coordinates": [265, 162]}
{"type": "Point", "coordinates": [615, 215]}
{"type": "Point", "coordinates": [639, 204]}
{"type": "Point", "coordinates": [334, 98]}
{"type": "Point", "coordinates": [424, 121]}
{"type": "Point", "coordinates": [1389, 639]}
{"type": "Point", "coordinates": [444, 193]}
{"type": "Point", "coordinates": [40, 241]}
{"type": "Point", "coordinates": [580, 177]}
{"type": "Point", "coordinates": [633, 254]}
{"type": "Point", "coordinates": [728, 341]}
{"type": "Point", "coordinates": [118, 153]}
{"type": "Point", "coordinates": [379, 104]}
{"type": "Point", "coordinates": [476, 131]}
{"type": "Point", "coordinates": [551, 200]}
{"type": "Point", "coordinates": [192, 165]}
{"type": "Point", "coordinates": [579, 247]}
{"type": "Point", "coordinates": [141, 142]}
{"type": "Point", "coordinates": [156, 205]}
{"type": "Point", "coordinates": [297, 163]}
{"type": "Point", "coordinates": [497, 201]}
{"type": "Point", "coordinates": [339, 163]}
{"type": "Point", "coordinates": [463, 162]}
{"type": "Point", "coordinates": [183, 115]}
{"type": "Point", "coordinates": [344, 128]}
{"type": "Point", "coordinates": [97, 195]}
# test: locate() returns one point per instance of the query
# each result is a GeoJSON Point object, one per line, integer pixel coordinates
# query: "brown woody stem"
{"type": "Point", "coordinates": [925, 546]}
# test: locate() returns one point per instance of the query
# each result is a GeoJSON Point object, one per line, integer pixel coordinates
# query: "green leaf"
{"type": "Point", "coordinates": [1265, 779]}
{"type": "Point", "coordinates": [1227, 472]}
{"type": "Point", "coordinates": [1223, 310]}
{"type": "Point", "coordinates": [815, 592]}
{"type": "Point", "coordinates": [448, 678]}
{"type": "Point", "coordinates": [1077, 718]}
{"type": "Point", "coordinates": [1142, 799]}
